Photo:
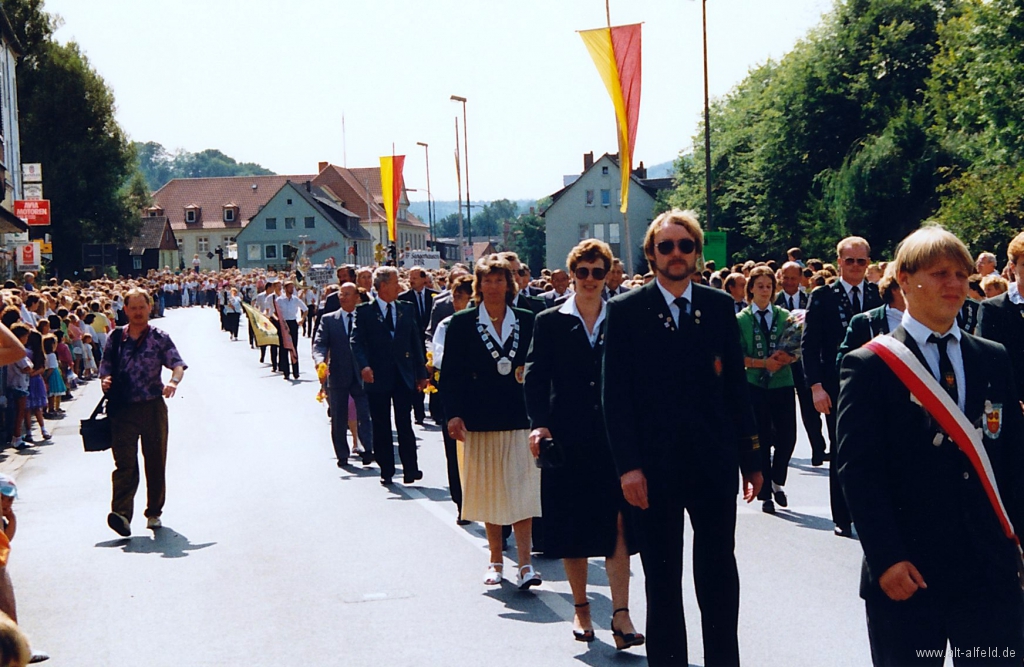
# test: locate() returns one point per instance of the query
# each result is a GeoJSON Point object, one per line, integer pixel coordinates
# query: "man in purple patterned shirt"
{"type": "Point", "coordinates": [133, 360]}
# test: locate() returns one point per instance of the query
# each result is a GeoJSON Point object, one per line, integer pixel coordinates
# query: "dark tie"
{"type": "Point", "coordinates": [682, 303]}
{"type": "Point", "coordinates": [419, 298]}
{"type": "Point", "coordinates": [738, 305]}
{"type": "Point", "coordinates": [947, 378]}
{"type": "Point", "coordinates": [348, 323]}
{"type": "Point", "coordinates": [791, 307]}
{"type": "Point", "coordinates": [855, 299]}
{"type": "Point", "coordinates": [391, 321]}
{"type": "Point", "coordinates": [764, 322]}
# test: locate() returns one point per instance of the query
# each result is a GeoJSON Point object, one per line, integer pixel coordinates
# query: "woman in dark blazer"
{"type": "Point", "coordinates": [482, 391]}
{"type": "Point", "coordinates": [584, 511]}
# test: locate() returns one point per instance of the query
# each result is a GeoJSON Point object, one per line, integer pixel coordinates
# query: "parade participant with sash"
{"type": "Point", "coordinates": [771, 384]}
{"type": "Point", "coordinates": [931, 462]}
{"type": "Point", "coordinates": [828, 316]}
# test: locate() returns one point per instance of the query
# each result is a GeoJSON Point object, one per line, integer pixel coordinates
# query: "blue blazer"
{"type": "Point", "coordinates": [400, 358]}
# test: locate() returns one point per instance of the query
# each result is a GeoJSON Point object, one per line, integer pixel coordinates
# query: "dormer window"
{"type": "Point", "coordinates": [192, 213]}
{"type": "Point", "coordinates": [154, 211]}
{"type": "Point", "coordinates": [230, 213]}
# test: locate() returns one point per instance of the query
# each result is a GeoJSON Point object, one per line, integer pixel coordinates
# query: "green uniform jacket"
{"type": "Point", "coordinates": [747, 321]}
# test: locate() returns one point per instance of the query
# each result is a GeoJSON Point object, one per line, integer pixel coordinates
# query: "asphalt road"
{"type": "Point", "coordinates": [271, 555]}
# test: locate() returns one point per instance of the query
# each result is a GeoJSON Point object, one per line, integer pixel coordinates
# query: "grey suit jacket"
{"type": "Point", "coordinates": [442, 308]}
{"type": "Point", "coordinates": [332, 343]}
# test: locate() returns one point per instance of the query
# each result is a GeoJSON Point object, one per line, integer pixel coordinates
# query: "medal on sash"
{"type": "Point", "coordinates": [504, 363]}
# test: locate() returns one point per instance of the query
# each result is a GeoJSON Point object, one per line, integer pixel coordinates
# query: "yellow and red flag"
{"type": "Point", "coordinates": [616, 52]}
{"type": "Point", "coordinates": [391, 189]}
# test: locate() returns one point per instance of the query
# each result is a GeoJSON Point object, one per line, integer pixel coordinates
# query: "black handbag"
{"type": "Point", "coordinates": [96, 431]}
{"type": "Point", "coordinates": [552, 455]}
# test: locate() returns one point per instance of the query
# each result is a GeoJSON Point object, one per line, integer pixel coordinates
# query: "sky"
{"type": "Point", "coordinates": [269, 82]}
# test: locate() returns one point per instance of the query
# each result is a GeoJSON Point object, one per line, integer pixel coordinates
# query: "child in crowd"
{"type": "Point", "coordinates": [56, 388]}
{"type": "Point", "coordinates": [37, 390]}
{"type": "Point", "coordinates": [88, 358]}
{"type": "Point", "coordinates": [17, 386]}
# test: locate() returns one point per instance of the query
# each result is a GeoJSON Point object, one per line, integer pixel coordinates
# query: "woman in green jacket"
{"type": "Point", "coordinates": [771, 383]}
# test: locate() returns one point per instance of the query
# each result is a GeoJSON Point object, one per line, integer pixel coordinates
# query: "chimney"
{"type": "Point", "coordinates": [640, 172]}
{"type": "Point", "coordinates": [588, 161]}
{"type": "Point", "coordinates": [321, 166]}
{"type": "Point", "coordinates": [309, 187]}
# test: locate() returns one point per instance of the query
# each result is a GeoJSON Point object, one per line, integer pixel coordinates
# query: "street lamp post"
{"type": "Point", "coordinates": [707, 121]}
{"type": "Point", "coordinates": [465, 146]}
{"type": "Point", "coordinates": [430, 205]}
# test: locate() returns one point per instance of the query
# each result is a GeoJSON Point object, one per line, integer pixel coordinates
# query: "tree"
{"type": "Point", "coordinates": [529, 240]}
{"type": "Point", "coordinates": [160, 166]}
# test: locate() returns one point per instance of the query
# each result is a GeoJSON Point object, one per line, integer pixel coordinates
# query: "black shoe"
{"type": "Point", "coordinates": [367, 458]}
{"type": "Point", "coordinates": [768, 507]}
{"type": "Point", "coordinates": [119, 524]}
{"type": "Point", "coordinates": [843, 531]}
{"type": "Point", "coordinates": [780, 499]}
{"type": "Point", "coordinates": [419, 422]}
{"type": "Point", "coordinates": [286, 377]}
{"type": "Point", "coordinates": [342, 462]}
{"type": "Point", "coordinates": [386, 481]}
{"type": "Point", "coordinates": [415, 477]}
{"type": "Point", "coordinates": [828, 456]}
{"type": "Point", "coordinates": [462, 522]}
{"type": "Point", "coordinates": [817, 459]}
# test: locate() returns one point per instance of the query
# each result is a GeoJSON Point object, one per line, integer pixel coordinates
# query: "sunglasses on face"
{"type": "Point", "coordinates": [522, 272]}
{"type": "Point", "coordinates": [686, 246]}
{"type": "Point", "coordinates": [582, 273]}
{"type": "Point", "coordinates": [859, 261]}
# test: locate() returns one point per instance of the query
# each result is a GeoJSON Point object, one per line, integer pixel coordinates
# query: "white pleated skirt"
{"type": "Point", "coordinates": [500, 481]}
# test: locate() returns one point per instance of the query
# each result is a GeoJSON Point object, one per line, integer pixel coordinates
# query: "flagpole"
{"type": "Point", "coordinates": [624, 163]}
{"type": "Point", "coordinates": [707, 124]}
{"type": "Point", "coordinates": [458, 175]}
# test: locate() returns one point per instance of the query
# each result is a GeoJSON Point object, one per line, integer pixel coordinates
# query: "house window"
{"type": "Point", "coordinates": [190, 215]}
{"type": "Point", "coordinates": [604, 171]}
{"type": "Point", "coordinates": [289, 223]}
{"type": "Point", "coordinates": [137, 263]}
{"type": "Point", "coordinates": [310, 222]}
{"type": "Point", "coordinates": [289, 202]}
{"type": "Point", "coordinates": [606, 198]}
{"type": "Point", "coordinates": [270, 251]}
{"type": "Point", "coordinates": [225, 240]}
{"type": "Point", "coordinates": [203, 244]}
{"type": "Point", "coordinates": [584, 232]}
{"type": "Point", "coordinates": [599, 231]}
{"type": "Point", "coordinates": [590, 197]}
{"type": "Point", "coordinates": [271, 223]}
{"type": "Point", "coordinates": [613, 232]}
{"type": "Point", "coordinates": [229, 215]}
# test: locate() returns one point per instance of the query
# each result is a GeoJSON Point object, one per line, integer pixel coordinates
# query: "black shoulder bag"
{"type": "Point", "coordinates": [96, 432]}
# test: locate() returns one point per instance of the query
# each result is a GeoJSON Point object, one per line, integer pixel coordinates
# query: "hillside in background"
{"type": "Point", "coordinates": [442, 209]}
{"type": "Point", "coordinates": [159, 166]}
{"type": "Point", "coordinates": [663, 170]}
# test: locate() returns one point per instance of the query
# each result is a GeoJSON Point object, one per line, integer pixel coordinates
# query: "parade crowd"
{"type": "Point", "coordinates": [586, 412]}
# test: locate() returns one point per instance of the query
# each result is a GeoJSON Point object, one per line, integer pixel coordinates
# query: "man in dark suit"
{"type": "Point", "coordinates": [522, 299]}
{"type": "Point", "coordinates": [791, 298]}
{"type": "Point", "coordinates": [877, 321]}
{"type": "Point", "coordinates": [559, 289]}
{"type": "Point", "coordinates": [422, 297]}
{"type": "Point", "coordinates": [1002, 318]}
{"type": "Point", "coordinates": [387, 343]}
{"type": "Point", "coordinates": [828, 315]}
{"type": "Point", "coordinates": [613, 282]}
{"type": "Point", "coordinates": [332, 344]}
{"type": "Point", "coordinates": [681, 427]}
{"type": "Point", "coordinates": [938, 565]}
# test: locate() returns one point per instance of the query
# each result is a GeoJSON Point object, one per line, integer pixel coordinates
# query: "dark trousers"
{"type": "Point", "coordinates": [809, 415]}
{"type": "Point", "coordinates": [840, 512]}
{"type": "Point", "coordinates": [383, 444]}
{"type": "Point", "coordinates": [715, 578]}
{"type": "Point", "coordinates": [451, 452]}
{"type": "Point", "coordinates": [776, 430]}
{"type": "Point", "coordinates": [231, 322]}
{"type": "Point", "coordinates": [972, 623]}
{"type": "Point", "coordinates": [284, 357]}
{"type": "Point", "coordinates": [418, 409]}
{"type": "Point", "coordinates": [130, 423]}
{"type": "Point", "coordinates": [307, 324]}
{"type": "Point", "coordinates": [338, 397]}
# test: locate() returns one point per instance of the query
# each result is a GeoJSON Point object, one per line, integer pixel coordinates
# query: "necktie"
{"type": "Point", "coordinates": [947, 378]}
{"type": "Point", "coordinates": [348, 323]}
{"type": "Point", "coordinates": [419, 298]}
{"type": "Point", "coordinates": [855, 299]}
{"type": "Point", "coordinates": [763, 314]}
{"type": "Point", "coordinates": [791, 307]}
{"type": "Point", "coordinates": [391, 321]}
{"type": "Point", "coordinates": [738, 305]}
{"type": "Point", "coordinates": [682, 303]}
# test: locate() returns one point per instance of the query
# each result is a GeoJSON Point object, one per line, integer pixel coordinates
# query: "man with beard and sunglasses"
{"type": "Point", "coordinates": [681, 425]}
{"type": "Point", "coordinates": [828, 316]}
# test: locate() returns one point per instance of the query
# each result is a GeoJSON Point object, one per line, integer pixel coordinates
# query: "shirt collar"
{"type": "Point", "coordinates": [383, 305]}
{"type": "Point", "coordinates": [754, 309]}
{"type": "Point", "coordinates": [507, 323]}
{"type": "Point", "coordinates": [847, 286]}
{"type": "Point", "coordinates": [569, 308]}
{"type": "Point", "coordinates": [1013, 294]}
{"type": "Point", "coordinates": [669, 299]}
{"type": "Point", "coordinates": [920, 332]}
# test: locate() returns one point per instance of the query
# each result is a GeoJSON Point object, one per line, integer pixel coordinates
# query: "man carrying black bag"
{"type": "Point", "coordinates": [133, 360]}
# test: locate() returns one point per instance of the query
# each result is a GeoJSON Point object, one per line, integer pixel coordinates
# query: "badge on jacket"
{"type": "Point", "coordinates": [718, 366]}
{"type": "Point", "coordinates": [993, 419]}
{"type": "Point", "coordinates": [520, 374]}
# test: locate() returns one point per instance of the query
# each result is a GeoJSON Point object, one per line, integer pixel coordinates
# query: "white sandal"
{"type": "Point", "coordinates": [494, 576]}
{"type": "Point", "coordinates": [528, 577]}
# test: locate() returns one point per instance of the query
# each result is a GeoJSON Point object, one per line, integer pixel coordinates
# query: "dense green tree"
{"type": "Point", "coordinates": [529, 240]}
{"type": "Point", "coordinates": [160, 166]}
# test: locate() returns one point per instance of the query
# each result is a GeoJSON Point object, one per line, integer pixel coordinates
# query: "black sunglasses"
{"type": "Point", "coordinates": [582, 273]}
{"type": "Point", "coordinates": [859, 261]}
{"type": "Point", "coordinates": [686, 246]}
{"type": "Point", "coordinates": [523, 272]}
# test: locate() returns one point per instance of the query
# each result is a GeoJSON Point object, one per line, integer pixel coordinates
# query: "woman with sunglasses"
{"type": "Point", "coordinates": [771, 384]}
{"type": "Point", "coordinates": [584, 511]}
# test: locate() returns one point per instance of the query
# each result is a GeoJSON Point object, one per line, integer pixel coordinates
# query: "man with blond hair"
{"type": "Point", "coordinates": [935, 506]}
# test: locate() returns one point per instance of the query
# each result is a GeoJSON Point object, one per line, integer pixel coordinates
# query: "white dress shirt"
{"type": "Point", "coordinates": [569, 308]}
{"type": "Point", "coordinates": [920, 334]}
{"type": "Point", "coordinates": [893, 317]}
{"type": "Point", "coordinates": [290, 306]}
{"type": "Point", "coordinates": [507, 324]}
{"type": "Point", "coordinates": [438, 341]}
{"type": "Point", "coordinates": [757, 314]}
{"type": "Point", "coordinates": [792, 301]}
{"type": "Point", "coordinates": [1013, 294]}
{"type": "Point", "coordinates": [860, 291]}
{"type": "Point", "coordinates": [671, 300]}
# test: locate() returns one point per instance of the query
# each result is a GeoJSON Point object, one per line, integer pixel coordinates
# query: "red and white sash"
{"type": "Point", "coordinates": [926, 389]}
